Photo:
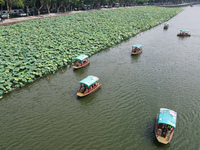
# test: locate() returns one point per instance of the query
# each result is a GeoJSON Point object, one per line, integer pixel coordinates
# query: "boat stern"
{"type": "Point", "coordinates": [75, 67]}
{"type": "Point", "coordinates": [162, 140]}
{"type": "Point", "coordinates": [79, 94]}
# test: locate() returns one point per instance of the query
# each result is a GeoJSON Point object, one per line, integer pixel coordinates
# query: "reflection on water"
{"type": "Point", "coordinates": [120, 115]}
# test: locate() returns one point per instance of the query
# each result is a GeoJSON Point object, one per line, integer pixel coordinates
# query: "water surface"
{"type": "Point", "coordinates": [121, 115]}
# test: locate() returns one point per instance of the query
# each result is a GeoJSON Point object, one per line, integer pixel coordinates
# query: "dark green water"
{"type": "Point", "coordinates": [46, 115]}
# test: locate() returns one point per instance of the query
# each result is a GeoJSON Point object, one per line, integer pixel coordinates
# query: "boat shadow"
{"type": "Point", "coordinates": [182, 37]}
{"type": "Point", "coordinates": [87, 100]}
{"type": "Point", "coordinates": [150, 135]}
{"type": "Point", "coordinates": [134, 58]}
{"type": "Point", "coordinates": [82, 72]}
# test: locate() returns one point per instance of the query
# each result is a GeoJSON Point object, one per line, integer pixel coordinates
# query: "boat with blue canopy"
{"type": "Point", "coordinates": [136, 49]}
{"type": "Point", "coordinates": [184, 33]}
{"type": "Point", "coordinates": [88, 85]}
{"type": "Point", "coordinates": [81, 61]}
{"type": "Point", "coordinates": [165, 125]}
{"type": "Point", "coordinates": [166, 25]}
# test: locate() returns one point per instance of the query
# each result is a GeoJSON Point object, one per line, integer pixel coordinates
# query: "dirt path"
{"type": "Point", "coordinates": [11, 21]}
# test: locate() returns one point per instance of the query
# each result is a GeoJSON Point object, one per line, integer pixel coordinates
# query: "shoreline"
{"type": "Point", "coordinates": [180, 5]}
{"type": "Point", "coordinates": [41, 60]}
{"type": "Point", "coordinates": [8, 22]}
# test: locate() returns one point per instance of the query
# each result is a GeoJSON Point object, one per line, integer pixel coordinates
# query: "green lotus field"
{"type": "Point", "coordinates": [32, 49]}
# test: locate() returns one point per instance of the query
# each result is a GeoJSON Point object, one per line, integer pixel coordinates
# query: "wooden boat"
{"type": "Point", "coordinates": [88, 86]}
{"type": "Point", "coordinates": [81, 61]}
{"type": "Point", "coordinates": [136, 49]}
{"type": "Point", "coordinates": [165, 125]}
{"type": "Point", "coordinates": [184, 33]}
{"type": "Point", "coordinates": [166, 25]}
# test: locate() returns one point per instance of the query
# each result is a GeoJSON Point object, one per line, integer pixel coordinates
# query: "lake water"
{"type": "Point", "coordinates": [47, 115]}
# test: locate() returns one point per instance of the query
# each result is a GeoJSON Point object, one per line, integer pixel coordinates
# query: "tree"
{"type": "Point", "coordinates": [90, 2]}
{"type": "Point", "coordinates": [63, 3]}
{"type": "Point", "coordinates": [11, 3]}
{"type": "Point", "coordinates": [2, 3]}
{"type": "Point", "coordinates": [59, 4]}
{"type": "Point", "coordinates": [38, 6]}
{"type": "Point", "coordinates": [27, 4]}
{"type": "Point", "coordinates": [48, 4]}
{"type": "Point", "coordinates": [66, 4]}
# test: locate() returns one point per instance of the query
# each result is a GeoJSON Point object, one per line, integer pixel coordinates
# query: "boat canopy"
{"type": "Point", "coordinates": [166, 24]}
{"type": "Point", "coordinates": [184, 31]}
{"type": "Point", "coordinates": [81, 57]}
{"type": "Point", "coordinates": [167, 116]}
{"type": "Point", "coordinates": [89, 80]}
{"type": "Point", "coordinates": [137, 45]}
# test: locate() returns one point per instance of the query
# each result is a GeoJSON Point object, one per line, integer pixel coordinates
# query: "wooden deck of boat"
{"type": "Point", "coordinates": [162, 140]}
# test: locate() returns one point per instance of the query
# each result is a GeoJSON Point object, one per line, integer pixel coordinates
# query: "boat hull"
{"type": "Point", "coordinates": [137, 52]}
{"type": "Point", "coordinates": [165, 27]}
{"type": "Point", "coordinates": [79, 94]}
{"type": "Point", "coordinates": [158, 133]}
{"type": "Point", "coordinates": [81, 66]}
{"type": "Point", "coordinates": [183, 35]}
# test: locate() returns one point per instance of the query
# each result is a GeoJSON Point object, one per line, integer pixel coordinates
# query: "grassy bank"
{"type": "Point", "coordinates": [31, 49]}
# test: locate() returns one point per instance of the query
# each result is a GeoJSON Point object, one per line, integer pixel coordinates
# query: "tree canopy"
{"type": "Point", "coordinates": [47, 5]}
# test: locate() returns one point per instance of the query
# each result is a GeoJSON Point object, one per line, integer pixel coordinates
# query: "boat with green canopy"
{"type": "Point", "coordinates": [184, 33]}
{"type": "Point", "coordinates": [165, 125]}
{"type": "Point", "coordinates": [88, 85]}
{"type": "Point", "coordinates": [136, 49]}
{"type": "Point", "coordinates": [81, 61]}
{"type": "Point", "coordinates": [166, 25]}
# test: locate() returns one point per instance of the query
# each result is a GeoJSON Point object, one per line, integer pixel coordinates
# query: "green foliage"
{"type": "Point", "coordinates": [35, 48]}
{"type": "Point", "coordinates": [2, 2]}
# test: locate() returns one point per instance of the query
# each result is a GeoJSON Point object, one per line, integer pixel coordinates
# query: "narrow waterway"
{"type": "Point", "coordinates": [47, 115]}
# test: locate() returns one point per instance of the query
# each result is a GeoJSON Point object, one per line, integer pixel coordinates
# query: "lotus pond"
{"type": "Point", "coordinates": [32, 49]}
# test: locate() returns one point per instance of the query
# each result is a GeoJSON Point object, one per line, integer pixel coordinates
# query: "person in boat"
{"type": "Point", "coordinates": [84, 61]}
{"type": "Point", "coordinates": [86, 90]}
{"type": "Point", "coordinates": [136, 49]}
{"type": "Point", "coordinates": [82, 88]}
{"type": "Point", "coordinates": [90, 88]}
{"type": "Point", "coordinates": [165, 129]}
{"type": "Point", "coordinates": [168, 127]}
{"type": "Point", "coordinates": [75, 62]}
{"type": "Point", "coordinates": [172, 129]}
{"type": "Point", "coordinates": [94, 85]}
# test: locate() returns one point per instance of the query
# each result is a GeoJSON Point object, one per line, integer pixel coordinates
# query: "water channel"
{"type": "Point", "coordinates": [47, 115]}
